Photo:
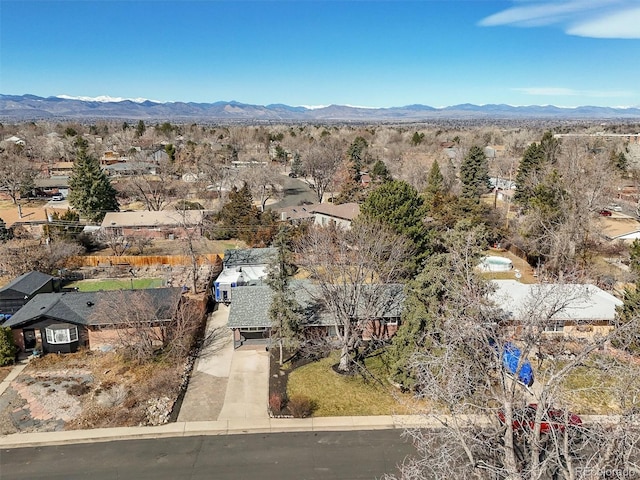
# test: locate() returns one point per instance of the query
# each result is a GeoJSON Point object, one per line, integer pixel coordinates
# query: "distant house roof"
{"type": "Point", "coordinates": [580, 302]}
{"type": "Point", "coordinates": [125, 167]}
{"type": "Point", "coordinates": [248, 256]}
{"type": "Point", "coordinates": [345, 211]}
{"type": "Point", "coordinates": [162, 218]}
{"type": "Point", "coordinates": [28, 284]}
{"type": "Point", "coordinates": [78, 307]}
{"type": "Point", "coordinates": [619, 228]}
{"type": "Point", "coordinates": [52, 182]}
{"type": "Point", "coordinates": [250, 307]}
{"type": "Point", "coordinates": [16, 140]}
{"type": "Point", "coordinates": [62, 166]}
{"type": "Point", "coordinates": [299, 212]}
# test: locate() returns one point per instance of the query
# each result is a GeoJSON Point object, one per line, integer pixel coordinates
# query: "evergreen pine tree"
{"type": "Point", "coordinates": [398, 205]}
{"type": "Point", "coordinates": [528, 172]}
{"type": "Point", "coordinates": [91, 192]}
{"type": "Point", "coordinates": [474, 174]}
{"type": "Point", "coordinates": [630, 309]}
{"type": "Point", "coordinates": [140, 128]}
{"type": "Point", "coordinates": [239, 218]}
{"type": "Point", "coordinates": [380, 172]}
{"type": "Point", "coordinates": [550, 147]}
{"type": "Point", "coordinates": [296, 165]}
{"type": "Point", "coordinates": [619, 161]}
{"type": "Point", "coordinates": [284, 310]}
{"type": "Point", "coordinates": [435, 181]}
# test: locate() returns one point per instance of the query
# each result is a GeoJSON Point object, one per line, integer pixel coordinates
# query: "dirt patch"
{"type": "Point", "coordinates": [4, 371]}
{"type": "Point", "coordinates": [278, 379]}
{"type": "Point", "coordinates": [88, 390]}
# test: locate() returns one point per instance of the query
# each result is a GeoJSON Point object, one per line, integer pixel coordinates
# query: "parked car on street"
{"type": "Point", "coordinates": [553, 419]}
{"type": "Point", "coordinates": [605, 213]}
{"type": "Point", "coordinates": [614, 207]}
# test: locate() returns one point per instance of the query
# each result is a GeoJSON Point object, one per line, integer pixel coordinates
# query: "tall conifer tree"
{"type": "Point", "coordinates": [90, 191]}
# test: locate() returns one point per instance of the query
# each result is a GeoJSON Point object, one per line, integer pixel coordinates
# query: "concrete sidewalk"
{"type": "Point", "coordinates": [17, 370]}
{"type": "Point", "coordinates": [220, 427]}
{"type": "Point", "coordinates": [251, 425]}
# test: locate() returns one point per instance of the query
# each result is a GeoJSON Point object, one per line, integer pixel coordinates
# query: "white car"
{"type": "Point", "coordinates": [614, 207]}
{"type": "Point", "coordinates": [57, 198]}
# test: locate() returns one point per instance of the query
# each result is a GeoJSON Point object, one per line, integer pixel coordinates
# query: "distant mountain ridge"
{"type": "Point", "coordinates": [31, 107]}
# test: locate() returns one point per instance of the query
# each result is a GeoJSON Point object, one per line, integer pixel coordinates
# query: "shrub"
{"type": "Point", "coordinates": [112, 397]}
{"type": "Point", "coordinates": [8, 349]}
{"type": "Point", "coordinates": [275, 402]}
{"type": "Point", "coordinates": [78, 389]}
{"type": "Point", "coordinates": [300, 406]}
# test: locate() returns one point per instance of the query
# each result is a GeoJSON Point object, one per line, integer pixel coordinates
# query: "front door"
{"type": "Point", "coordinates": [29, 338]}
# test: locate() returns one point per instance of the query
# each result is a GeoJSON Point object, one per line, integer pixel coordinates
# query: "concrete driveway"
{"type": "Point", "coordinates": [248, 387]}
{"type": "Point", "coordinates": [226, 383]}
{"type": "Point", "coordinates": [208, 384]}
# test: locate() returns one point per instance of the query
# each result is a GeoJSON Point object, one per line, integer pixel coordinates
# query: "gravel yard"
{"type": "Point", "coordinates": [87, 390]}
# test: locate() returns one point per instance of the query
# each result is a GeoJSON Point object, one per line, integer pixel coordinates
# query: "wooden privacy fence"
{"type": "Point", "coordinates": [146, 260]}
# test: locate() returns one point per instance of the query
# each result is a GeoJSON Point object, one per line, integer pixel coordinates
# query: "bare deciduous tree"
{"type": "Point", "coordinates": [320, 164]}
{"type": "Point", "coordinates": [482, 426]}
{"type": "Point", "coordinates": [16, 172]}
{"type": "Point", "coordinates": [155, 190]}
{"type": "Point", "coordinates": [18, 256]}
{"type": "Point", "coordinates": [116, 241]}
{"type": "Point", "coordinates": [147, 325]}
{"type": "Point", "coordinates": [264, 181]}
{"type": "Point", "coordinates": [352, 270]}
{"type": "Point", "coordinates": [216, 171]}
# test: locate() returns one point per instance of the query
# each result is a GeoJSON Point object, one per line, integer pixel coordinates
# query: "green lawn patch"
{"type": "Point", "coordinates": [116, 284]}
{"type": "Point", "coordinates": [601, 385]}
{"type": "Point", "coordinates": [333, 394]}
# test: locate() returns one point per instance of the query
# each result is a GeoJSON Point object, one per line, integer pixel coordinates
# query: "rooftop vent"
{"type": "Point", "coordinates": [89, 304]}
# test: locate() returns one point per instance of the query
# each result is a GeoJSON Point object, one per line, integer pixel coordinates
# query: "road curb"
{"type": "Point", "coordinates": [242, 426]}
{"type": "Point", "coordinates": [238, 426]}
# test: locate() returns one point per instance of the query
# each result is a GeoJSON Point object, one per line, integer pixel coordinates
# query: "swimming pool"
{"type": "Point", "coordinates": [495, 264]}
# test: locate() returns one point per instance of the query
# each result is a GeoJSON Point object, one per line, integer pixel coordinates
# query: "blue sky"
{"type": "Point", "coordinates": [321, 52]}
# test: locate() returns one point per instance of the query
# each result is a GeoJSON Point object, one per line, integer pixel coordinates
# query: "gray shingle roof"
{"type": "Point", "coordinates": [250, 305]}
{"type": "Point", "coordinates": [78, 307]}
{"type": "Point", "coordinates": [28, 283]}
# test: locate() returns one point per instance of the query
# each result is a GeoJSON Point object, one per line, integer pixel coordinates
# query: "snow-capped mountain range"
{"type": "Point", "coordinates": [32, 107]}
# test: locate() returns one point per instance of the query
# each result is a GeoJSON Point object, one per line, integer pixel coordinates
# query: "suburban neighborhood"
{"type": "Point", "coordinates": [292, 277]}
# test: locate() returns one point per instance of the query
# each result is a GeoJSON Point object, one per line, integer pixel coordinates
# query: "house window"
{"type": "Point", "coordinates": [554, 327]}
{"type": "Point", "coordinates": [60, 334]}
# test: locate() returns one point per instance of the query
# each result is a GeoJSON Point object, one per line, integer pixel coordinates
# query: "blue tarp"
{"type": "Point", "coordinates": [510, 360]}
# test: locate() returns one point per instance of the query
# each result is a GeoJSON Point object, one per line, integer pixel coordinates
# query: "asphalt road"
{"type": "Point", "coordinates": [296, 192]}
{"type": "Point", "coordinates": [296, 456]}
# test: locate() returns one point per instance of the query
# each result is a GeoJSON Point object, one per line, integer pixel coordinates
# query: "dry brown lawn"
{"type": "Point", "coordinates": [177, 247]}
{"type": "Point", "coordinates": [88, 390]}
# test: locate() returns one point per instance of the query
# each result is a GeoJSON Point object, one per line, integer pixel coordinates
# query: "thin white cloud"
{"type": "Point", "coordinates": [586, 18]}
{"type": "Point", "coordinates": [570, 92]}
{"type": "Point", "coordinates": [555, 91]}
{"type": "Point", "coordinates": [623, 24]}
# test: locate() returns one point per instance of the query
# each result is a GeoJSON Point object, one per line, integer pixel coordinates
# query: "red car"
{"type": "Point", "coordinates": [605, 213]}
{"type": "Point", "coordinates": [553, 419]}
